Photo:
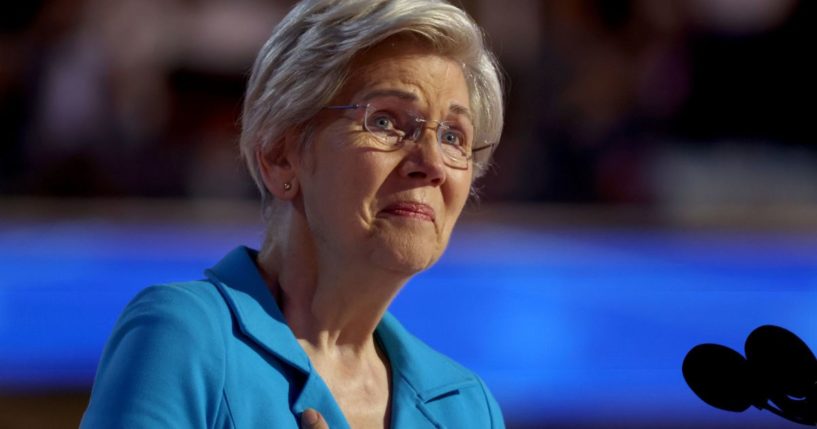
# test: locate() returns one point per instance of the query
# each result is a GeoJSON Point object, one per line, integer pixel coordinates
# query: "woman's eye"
{"type": "Point", "coordinates": [381, 121]}
{"type": "Point", "coordinates": [453, 138]}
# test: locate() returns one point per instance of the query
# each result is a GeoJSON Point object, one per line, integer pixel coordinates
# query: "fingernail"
{"type": "Point", "coordinates": [311, 417]}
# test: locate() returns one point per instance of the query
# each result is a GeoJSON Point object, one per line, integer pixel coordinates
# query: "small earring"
{"type": "Point", "coordinates": [287, 186]}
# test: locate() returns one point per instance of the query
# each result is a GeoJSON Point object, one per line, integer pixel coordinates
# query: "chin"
{"type": "Point", "coordinates": [407, 257]}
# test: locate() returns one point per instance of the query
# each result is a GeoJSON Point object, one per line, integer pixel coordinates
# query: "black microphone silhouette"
{"type": "Point", "coordinates": [778, 374]}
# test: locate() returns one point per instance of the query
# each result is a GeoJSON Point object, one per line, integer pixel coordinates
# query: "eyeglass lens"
{"type": "Point", "coordinates": [392, 126]}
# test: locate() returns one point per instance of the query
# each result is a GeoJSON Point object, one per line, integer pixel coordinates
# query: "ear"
{"type": "Point", "coordinates": [278, 167]}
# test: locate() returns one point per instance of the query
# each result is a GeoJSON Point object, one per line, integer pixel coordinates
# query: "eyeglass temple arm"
{"type": "Point", "coordinates": [481, 148]}
{"type": "Point", "coordinates": [345, 107]}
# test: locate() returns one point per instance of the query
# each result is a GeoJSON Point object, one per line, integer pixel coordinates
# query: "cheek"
{"type": "Point", "coordinates": [456, 195]}
{"type": "Point", "coordinates": [343, 186]}
{"type": "Point", "coordinates": [455, 198]}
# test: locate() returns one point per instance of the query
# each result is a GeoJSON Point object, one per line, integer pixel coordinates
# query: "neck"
{"type": "Point", "coordinates": [331, 305]}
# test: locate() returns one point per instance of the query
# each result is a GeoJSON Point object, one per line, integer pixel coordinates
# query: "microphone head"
{"type": "Point", "coordinates": [784, 364]}
{"type": "Point", "coordinates": [721, 377]}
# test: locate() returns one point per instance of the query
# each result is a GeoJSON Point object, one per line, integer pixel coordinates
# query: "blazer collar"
{"type": "Point", "coordinates": [254, 307]}
{"type": "Point", "coordinates": [428, 373]}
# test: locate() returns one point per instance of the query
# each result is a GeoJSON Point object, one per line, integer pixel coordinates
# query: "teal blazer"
{"type": "Point", "coordinates": [217, 353]}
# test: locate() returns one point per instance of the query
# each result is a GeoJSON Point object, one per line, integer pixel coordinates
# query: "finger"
{"type": "Point", "coordinates": [311, 419]}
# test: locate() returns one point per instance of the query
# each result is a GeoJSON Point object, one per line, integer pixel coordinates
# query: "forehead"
{"type": "Point", "coordinates": [410, 66]}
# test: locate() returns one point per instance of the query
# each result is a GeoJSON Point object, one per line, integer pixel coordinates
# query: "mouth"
{"type": "Point", "coordinates": [410, 210]}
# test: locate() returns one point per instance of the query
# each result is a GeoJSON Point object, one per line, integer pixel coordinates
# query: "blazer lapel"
{"type": "Point", "coordinates": [254, 307]}
{"type": "Point", "coordinates": [260, 319]}
{"type": "Point", "coordinates": [420, 375]}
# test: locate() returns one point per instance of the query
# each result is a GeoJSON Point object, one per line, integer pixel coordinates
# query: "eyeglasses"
{"type": "Point", "coordinates": [392, 125]}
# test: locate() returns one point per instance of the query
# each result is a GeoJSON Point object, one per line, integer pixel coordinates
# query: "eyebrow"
{"type": "Point", "coordinates": [408, 96]}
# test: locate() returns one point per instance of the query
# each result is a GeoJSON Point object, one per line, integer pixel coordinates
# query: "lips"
{"type": "Point", "coordinates": [410, 209]}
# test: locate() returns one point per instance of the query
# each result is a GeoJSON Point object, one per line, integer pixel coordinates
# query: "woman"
{"type": "Point", "coordinates": [365, 126]}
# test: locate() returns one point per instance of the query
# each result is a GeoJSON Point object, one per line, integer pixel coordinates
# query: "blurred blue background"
{"type": "Point", "coordinates": [570, 325]}
{"type": "Point", "coordinates": [656, 188]}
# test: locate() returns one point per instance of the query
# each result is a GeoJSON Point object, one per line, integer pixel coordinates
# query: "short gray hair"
{"type": "Point", "coordinates": [306, 61]}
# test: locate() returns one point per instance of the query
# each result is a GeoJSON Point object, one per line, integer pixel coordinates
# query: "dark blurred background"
{"type": "Point", "coordinates": [613, 102]}
{"type": "Point", "coordinates": [672, 114]}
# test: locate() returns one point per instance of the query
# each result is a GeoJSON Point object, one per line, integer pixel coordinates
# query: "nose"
{"type": "Point", "coordinates": [424, 160]}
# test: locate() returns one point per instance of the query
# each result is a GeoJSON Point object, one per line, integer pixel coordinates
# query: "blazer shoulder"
{"type": "Point", "coordinates": [167, 349]}
{"type": "Point", "coordinates": [183, 300]}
